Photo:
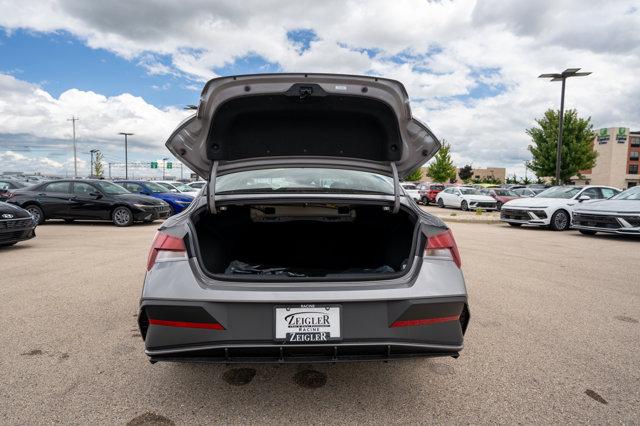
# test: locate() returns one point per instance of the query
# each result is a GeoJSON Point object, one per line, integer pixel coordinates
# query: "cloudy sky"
{"type": "Point", "coordinates": [470, 67]}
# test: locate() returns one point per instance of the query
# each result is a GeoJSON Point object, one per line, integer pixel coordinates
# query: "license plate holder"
{"type": "Point", "coordinates": [308, 323]}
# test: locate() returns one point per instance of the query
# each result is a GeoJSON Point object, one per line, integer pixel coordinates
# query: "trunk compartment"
{"type": "Point", "coordinates": [310, 241]}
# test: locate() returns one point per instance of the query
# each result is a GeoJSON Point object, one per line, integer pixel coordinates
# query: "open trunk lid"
{"type": "Point", "coordinates": [323, 119]}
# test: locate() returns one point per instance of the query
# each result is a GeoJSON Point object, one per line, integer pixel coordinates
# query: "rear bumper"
{"type": "Point", "coordinates": [246, 332]}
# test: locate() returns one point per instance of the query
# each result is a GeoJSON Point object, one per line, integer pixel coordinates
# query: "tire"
{"type": "Point", "coordinates": [464, 206]}
{"type": "Point", "coordinates": [587, 232]}
{"type": "Point", "coordinates": [122, 216]}
{"type": "Point", "coordinates": [425, 201]}
{"type": "Point", "coordinates": [499, 206]}
{"type": "Point", "coordinates": [440, 203]}
{"type": "Point", "coordinates": [560, 221]}
{"type": "Point", "coordinates": [36, 212]}
{"type": "Point", "coordinates": [8, 244]}
{"type": "Point", "coordinates": [515, 225]}
{"type": "Point", "coordinates": [172, 211]}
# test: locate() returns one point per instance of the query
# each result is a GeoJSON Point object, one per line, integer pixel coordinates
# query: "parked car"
{"type": "Point", "coordinates": [177, 202]}
{"type": "Point", "coordinates": [197, 184]}
{"type": "Point", "coordinates": [16, 225]}
{"type": "Point", "coordinates": [465, 198]}
{"type": "Point", "coordinates": [527, 192]}
{"type": "Point", "coordinates": [88, 199]}
{"type": "Point", "coordinates": [501, 196]}
{"type": "Point", "coordinates": [429, 193]}
{"type": "Point", "coordinates": [303, 254]}
{"type": "Point", "coordinates": [553, 206]}
{"type": "Point", "coordinates": [411, 189]}
{"type": "Point", "coordinates": [7, 186]}
{"type": "Point", "coordinates": [617, 215]}
{"type": "Point", "coordinates": [180, 187]}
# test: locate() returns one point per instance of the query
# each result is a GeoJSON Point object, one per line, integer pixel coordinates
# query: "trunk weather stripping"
{"type": "Point", "coordinates": [396, 188]}
{"type": "Point", "coordinates": [211, 188]}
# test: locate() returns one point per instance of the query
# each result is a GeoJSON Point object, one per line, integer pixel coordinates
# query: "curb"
{"type": "Point", "coordinates": [464, 220]}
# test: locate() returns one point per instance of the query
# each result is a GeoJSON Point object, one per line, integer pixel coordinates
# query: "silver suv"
{"type": "Point", "coordinates": [302, 247]}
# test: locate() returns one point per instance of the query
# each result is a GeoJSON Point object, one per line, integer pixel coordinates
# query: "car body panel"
{"type": "Point", "coordinates": [452, 197]}
{"type": "Point", "coordinates": [540, 210]}
{"type": "Point", "coordinates": [177, 201]}
{"type": "Point", "coordinates": [615, 216]}
{"type": "Point", "coordinates": [84, 205]}
{"type": "Point", "coordinates": [192, 143]}
{"type": "Point", "coordinates": [193, 192]}
{"type": "Point", "coordinates": [188, 314]}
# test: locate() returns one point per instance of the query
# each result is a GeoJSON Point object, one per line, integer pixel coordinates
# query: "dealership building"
{"type": "Point", "coordinates": [618, 158]}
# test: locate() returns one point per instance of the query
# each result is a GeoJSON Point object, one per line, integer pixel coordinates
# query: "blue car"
{"type": "Point", "coordinates": [176, 201]}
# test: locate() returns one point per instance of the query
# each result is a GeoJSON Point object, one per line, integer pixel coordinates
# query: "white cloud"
{"type": "Point", "coordinates": [41, 121]}
{"type": "Point", "coordinates": [449, 50]}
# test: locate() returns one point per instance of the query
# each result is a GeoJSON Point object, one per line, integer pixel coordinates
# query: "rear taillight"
{"type": "Point", "coordinates": [166, 247]}
{"type": "Point", "coordinates": [443, 245]}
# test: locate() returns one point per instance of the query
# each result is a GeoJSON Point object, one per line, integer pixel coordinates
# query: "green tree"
{"type": "Point", "coordinates": [465, 172]}
{"type": "Point", "coordinates": [98, 165]}
{"type": "Point", "coordinates": [442, 168]}
{"type": "Point", "coordinates": [414, 176]}
{"type": "Point", "coordinates": [577, 149]}
{"type": "Point", "coordinates": [525, 180]}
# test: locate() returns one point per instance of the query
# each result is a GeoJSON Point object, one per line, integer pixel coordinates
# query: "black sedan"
{"type": "Point", "coordinates": [16, 224]}
{"type": "Point", "coordinates": [88, 200]}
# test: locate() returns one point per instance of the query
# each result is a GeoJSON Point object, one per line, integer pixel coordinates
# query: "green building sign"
{"type": "Point", "coordinates": [154, 164]}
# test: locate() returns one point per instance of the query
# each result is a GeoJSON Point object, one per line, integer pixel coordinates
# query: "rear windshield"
{"type": "Point", "coordinates": [304, 180]}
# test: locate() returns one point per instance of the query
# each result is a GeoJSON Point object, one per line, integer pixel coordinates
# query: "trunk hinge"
{"type": "Point", "coordinates": [211, 188]}
{"type": "Point", "coordinates": [396, 188]}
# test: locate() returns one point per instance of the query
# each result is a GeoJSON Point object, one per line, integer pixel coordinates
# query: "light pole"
{"type": "Point", "coordinates": [126, 158]}
{"type": "Point", "coordinates": [569, 72]}
{"type": "Point", "coordinates": [93, 151]}
{"type": "Point", "coordinates": [73, 120]}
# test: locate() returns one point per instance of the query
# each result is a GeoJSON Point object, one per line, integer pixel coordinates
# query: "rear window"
{"type": "Point", "coordinates": [304, 180]}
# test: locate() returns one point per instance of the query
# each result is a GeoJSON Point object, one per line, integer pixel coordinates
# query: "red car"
{"type": "Point", "coordinates": [501, 195]}
{"type": "Point", "coordinates": [428, 193]}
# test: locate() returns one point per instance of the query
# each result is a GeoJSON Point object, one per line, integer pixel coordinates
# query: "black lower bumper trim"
{"type": "Point", "coordinates": [294, 354]}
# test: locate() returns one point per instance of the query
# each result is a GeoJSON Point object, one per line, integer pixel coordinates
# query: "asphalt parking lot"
{"type": "Point", "coordinates": [554, 338]}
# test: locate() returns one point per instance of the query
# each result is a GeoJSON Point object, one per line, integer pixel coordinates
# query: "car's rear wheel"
{"type": "Point", "coordinates": [560, 221]}
{"type": "Point", "coordinates": [425, 201]}
{"type": "Point", "coordinates": [515, 225]}
{"type": "Point", "coordinates": [499, 206]}
{"type": "Point", "coordinates": [7, 244]}
{"type": "Point", "coordinates": [122, 216]}
{"type": "Point", "coordinates": [587, 232]}
{"type": "Point", "coordinates": [36, 212]}
{"type": "Point", "coordinates": [440, 203]}
{"type": "Point", "coordinates": [464, 205]}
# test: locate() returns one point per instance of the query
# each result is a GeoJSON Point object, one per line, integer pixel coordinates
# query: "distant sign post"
{"type": "Point", "coordinates": [169, 165]}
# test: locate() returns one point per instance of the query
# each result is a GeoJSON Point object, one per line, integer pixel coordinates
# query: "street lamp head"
{"type": "Point", "coordinates": [125, 133]}
{"type": "Point", "coordinates": [569, 72]}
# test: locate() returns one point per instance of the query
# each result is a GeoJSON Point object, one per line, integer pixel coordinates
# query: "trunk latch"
{"type": "Point", "coordinates": [305, 91]}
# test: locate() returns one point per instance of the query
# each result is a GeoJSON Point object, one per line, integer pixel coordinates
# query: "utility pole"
{"type": "Point", "coordinates": [73, 120]}
{"type": "Point", "coordinates": [109, 170]}
{"type": "Point", "coordinates": [569, 72]}
{"type": "Point", "coordinates": [181, 171]}
{"type": "Point", "coordinates": [126, 158]}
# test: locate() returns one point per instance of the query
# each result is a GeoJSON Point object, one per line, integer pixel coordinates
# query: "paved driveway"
{"type": "Point", "coordinates": [554, 337]}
